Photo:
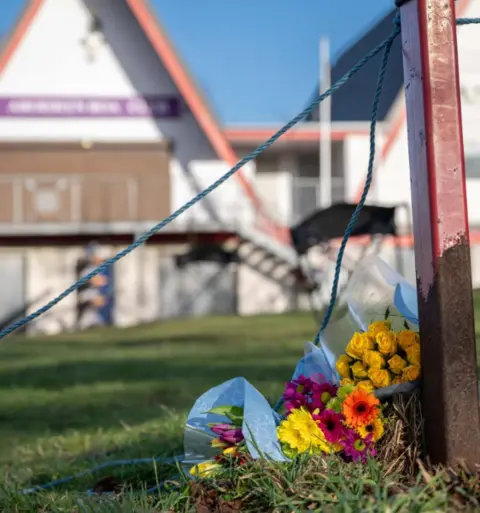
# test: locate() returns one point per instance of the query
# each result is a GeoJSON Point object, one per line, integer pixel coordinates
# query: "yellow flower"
{"type": "Point", "coordinates": [205, 469]}
{"type": "Point", "coordinates": [397, 380]}
{"type": "Point", "coordinates": [369, 340]}
{"type": "Point", "coordinates": [359, 370]}
{"type": "Point", "coordinates": [377, 327]}
{"type": "Point", "coordinates": [366, 385]}
{"type": "Point", "coordinates": [301, 433]}
{"type": "Point", "coordinates": [217, 443]}
{"type": "Point", "coordinates": [343, 366]}
{"type": "Point", "coordinates": [397, 364]}
{"type": "Point", "coordinates": [387, 343]}
{"type": "Point", "coordinates": [231, 451]}
{"type": "Point", "coordinates": [374, 359]}
{"type": "Point", "coordinates": [411, 373]}
{"type": "Point", "coordinates": [346, 381]}
{"type": "Point", "coordinates": [374, 428]}
{"type": "Point", "coordinates": [358, 344]}
{"type": "Point", "coordinates": [413, 354]}
{"type": "Point", "coordinates": [380, 377]}
{"type": "Point", "coordinates": [406, 338]}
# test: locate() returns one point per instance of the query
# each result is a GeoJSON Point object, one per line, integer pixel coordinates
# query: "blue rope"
{"type": "Point", "coordinates": [368, 181]}
{"type": "Point", "coordinates": [107, 464]}
{"type": "Point", "coordinates": [254, 154]}
{"type": "Point", "coordinates": [468, 21]}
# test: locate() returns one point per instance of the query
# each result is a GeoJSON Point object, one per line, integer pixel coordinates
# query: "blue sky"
{"type": "Point", "coordinates": [256, 61]}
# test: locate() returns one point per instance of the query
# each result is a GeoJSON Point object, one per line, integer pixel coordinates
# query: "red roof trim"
{"type": "Point", "coordinates": [199, 108]}
{"type": "Point", "coordinates": [184, 83]}
{"type": "Point", "coordinates": [260, 135]}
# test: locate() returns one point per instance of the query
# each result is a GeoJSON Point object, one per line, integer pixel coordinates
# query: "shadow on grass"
{"type": "Point", "coordinates": [111, 392]}
{"type": "Point", "coordinates": [151, 448]}
{"type": "Point", "coordinates": [89, 343]}
{"type": "Point", "coordinates": [193, 369]}
{"type": "Point", "coordinates": [127, 392]}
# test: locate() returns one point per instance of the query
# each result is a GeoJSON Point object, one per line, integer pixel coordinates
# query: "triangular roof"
{"type": "Point", "coordinates": [353, 101]}
{"type": "Point", "coordinates": [168, 56]}
{"type": "Point", "coordinates": [185, 84]}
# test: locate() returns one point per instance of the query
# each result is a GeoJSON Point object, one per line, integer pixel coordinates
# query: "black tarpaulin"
{"type": "Point", "coordinates": [331, 223]}
{"type": "Point", "coordinates": [206, 253]}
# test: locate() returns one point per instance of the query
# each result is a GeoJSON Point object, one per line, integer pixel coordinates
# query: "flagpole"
{"type": "Point", "coordinates": [325, 145]}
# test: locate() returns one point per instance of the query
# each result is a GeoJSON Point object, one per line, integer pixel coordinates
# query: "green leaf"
{"type": "Point", "coordinates": [220, 410]}
{"type": "Point", "coordinates": [387, 313]}
{"type": "Point", "coordinates": [335, 404]}
{"type": "Point", "coordinates": [233, 413]}
{"type": "Point", "coordinates": [236, 421]}
{"type": "Point", "coordinates": [288, 451]}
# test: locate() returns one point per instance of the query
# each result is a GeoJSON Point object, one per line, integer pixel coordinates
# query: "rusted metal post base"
{"type": "Point", "coordinates": [440, 224]}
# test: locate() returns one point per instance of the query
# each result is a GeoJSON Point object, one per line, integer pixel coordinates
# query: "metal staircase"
{"type": "Point", "coordinates": [265, 245]}
{"type": "Point", "coordinates": [267, 256]}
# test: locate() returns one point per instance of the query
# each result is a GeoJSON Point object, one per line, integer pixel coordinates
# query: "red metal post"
{"type": "Point", "coordinates": [440, 224]}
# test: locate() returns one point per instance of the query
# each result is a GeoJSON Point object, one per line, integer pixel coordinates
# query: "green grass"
{"type": "Point", "coordinates": [70, 402]}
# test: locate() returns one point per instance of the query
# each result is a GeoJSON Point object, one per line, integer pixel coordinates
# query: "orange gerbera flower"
{"type": "Point", "coordinates": [360, 408]}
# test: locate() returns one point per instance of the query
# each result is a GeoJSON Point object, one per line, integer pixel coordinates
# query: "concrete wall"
{"type": "Point", "coordinates": [148, 286]}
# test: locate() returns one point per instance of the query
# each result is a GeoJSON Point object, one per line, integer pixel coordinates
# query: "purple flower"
{"type": "Point", "coordinates": [297, 393]}
{"type": "Point", "coordinates": [357, 448]}
{"type": "Point", "coordinates": [293, 396]}
{"type": "Point", "coordinates": [322, 393]}
{"type": "Point", "coordinates": [234, 436]}
{"type": "Point", "coordinates": [312, 393]}
{"type": "Point", "coordinates": [219, 429]}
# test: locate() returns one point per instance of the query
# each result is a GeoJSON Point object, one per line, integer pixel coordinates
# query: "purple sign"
{"type": "Point", "coordinates": [160, 107]}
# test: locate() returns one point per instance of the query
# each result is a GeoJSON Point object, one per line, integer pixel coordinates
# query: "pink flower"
{"type": "Point", "coordinates": [299, 392]}
{"type": "Point", "coordinates": [327, 391]}
{"type": "Point", "coordinates": [312, 393]}
{"type": "Point", "coordinates": [357, 448]}
{"type": "Point", "coordinates": [296, 392]}
{"type": "Point", "coordinates": [218, 429]}
{"type": "Point", "coordinates": [322, 394]}
{"type": "Point", "coordinates": [227, 433]}
{"type": "Point", "coordinates": [234, 436]}
{"type": "Point", "coordinates": [331, 423]}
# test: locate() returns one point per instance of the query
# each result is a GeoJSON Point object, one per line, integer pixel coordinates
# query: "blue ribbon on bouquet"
{"type": "Point", "coordinates": [405, 301]}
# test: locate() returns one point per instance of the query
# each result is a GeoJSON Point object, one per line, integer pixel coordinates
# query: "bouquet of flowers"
{"type": "Point", "coordinates": [229, 441]}
{"type": "Point", "coordinates": [320, 418]}
{"type": "Point", "coordinates": [380, 357]}
{"type": "Point", "coordinates": [324, 418]}
{"type": "Point", "coordinates": [377, 345]}
{"type": "Point", "coordinates": [332, 403]}
{"type": "Point", "coordinates": [231, 422]}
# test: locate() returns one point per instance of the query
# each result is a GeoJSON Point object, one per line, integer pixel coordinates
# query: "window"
{"type": "Point", "coordinates": [472, 159]}
{"type": "Point", "coordinates": [472, 165]}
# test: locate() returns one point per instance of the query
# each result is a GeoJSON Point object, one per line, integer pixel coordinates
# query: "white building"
{"type": "Point", "coordinates": [103, 133]}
